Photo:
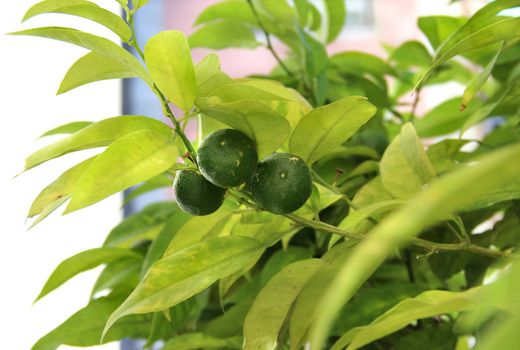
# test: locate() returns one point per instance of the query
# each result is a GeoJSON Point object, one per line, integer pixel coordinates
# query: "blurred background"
{"type": "Point", "coordinates": [31, 70]}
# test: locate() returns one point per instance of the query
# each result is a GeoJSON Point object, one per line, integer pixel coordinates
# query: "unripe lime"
{"type": "Point", "coordinates": [195, 194]}
{"type": "Point", "coordinates": [227, 158]}
{"type": "Point", "coordinates": [282, 183]}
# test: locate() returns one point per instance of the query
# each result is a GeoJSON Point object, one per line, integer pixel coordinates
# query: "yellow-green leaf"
{"type": "Point", "coordinates": [168, 58]}
{"type": "Point", "coordinates": [138, 156]}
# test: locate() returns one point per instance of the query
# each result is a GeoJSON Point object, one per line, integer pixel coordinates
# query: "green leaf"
{"type": "Point", "coordinates": [480, 23]}
{"type": "Point", "coordinates": [69, 128]}
{"type": "Point", "coordinates": [94, 67]}
{"type": "Point", "coordinates": [155, 183]}
{"type": "Point", "coordinates": [474, 38]}
{"type": "Point", "coordinates": [327, 127]}
{"type": "Point", "coordinates": [198, 228]}
{"type": "Point", "coordinates": [61, 188]}
{"type": "Point", "coordinates": [92, 42]}
{"type": "Point", "coordinates": [85, 326]}
{"type": "Point", "coordinates": [361, 63]}
{"type": "Point", "coordinates": [372, 302]}
{"type": "Point", "coordinates": [304, 309]}
{"type": "Point", "coordinates": [206, 68]}
{"type": "Point", "coordinates": [442, 197]}
{"type": "Point", "coordinates": [166, 285]}
{"type": "Point", "coordinates": [445, 118]}
{"type": "Point", "coordinates": [356, 218]}
{"type": "Point", "coordinates": [427, 304]}
{"type": "Point", "coordinates": [209, 76]}
{"type": "Point", "coordinates": [139, 156]}
{"type": "Point", "coordinates": [336, 16]}
{"type": "Point", "coordinates": [443, 155]}
{"type": "Point", "coordinates": [138, 226]}
{"type": "Point", "coordinates": [139, 3]}
{"type": "Point", "coordinates": [85, 9]}
{"type": "Point", "coordinates": [476, 84]}
{"type": "Point", "coordinates": [431, 338]}
{"type": "Point", "coordinates": [270, 308]}
{"type": "Point", "coordinates": [121, 275]}
{"type": "Point", "coordinates": [237, 10]}
{"type": "Point", "coordinates": [99, 134]}
{"type": "Point", "coordinates": [168, 58]}
{"type": "Point", "coordinates": [411, 54]}
{"type": "Point", "coordinates": [224, 34]}
{"type": "Point", "coordinates": [163, 239]}
{"type": "Point", "coordinates": [49, 209]}
{"type": "Point", "coordinates": [505, 192]}
{"type": "Point", "coordinates": [316, 58]}
{"type": "Point", "coordinates": [439, 28]}
{"type": "Point", "coordinates": [266, 127]}
{"type": "Point", "coordinates": [194, 341]}
{"type": "Point", "coordinates": [81, 262]}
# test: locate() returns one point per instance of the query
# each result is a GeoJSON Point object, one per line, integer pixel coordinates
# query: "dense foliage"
{"type": "Point", "coordinates": [389, 252]}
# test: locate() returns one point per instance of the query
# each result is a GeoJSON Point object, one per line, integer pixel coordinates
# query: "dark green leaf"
{"type": "Point", "coordinates": [445, 195]}
{"type": "Point", "coordinates": [174, 223]}
{"type": "Point", "coordinates": [84, 328]}
{"type": "Point", "coordinates": [194, 341]}
{"type": "Point", "coordinates": [336, 16]}
{"type": "Point", "coordinates": [142, 225]}
{"type": "Point", "coordinates": [427, 304]}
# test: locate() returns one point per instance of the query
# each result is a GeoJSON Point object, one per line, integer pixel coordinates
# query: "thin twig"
{"type": "Point", "coordinates": [415, 103]}
{"type": "Point", "coordinates": [164, 102]}
{"type": "Point", "coordinates": [269, 43]}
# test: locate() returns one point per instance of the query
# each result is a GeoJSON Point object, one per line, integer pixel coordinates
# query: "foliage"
{"type": "Point", "coordinates": [388, 252]}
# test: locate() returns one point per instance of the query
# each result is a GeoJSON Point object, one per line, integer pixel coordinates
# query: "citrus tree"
{"type": "Point", "coordinates": [308, 211]}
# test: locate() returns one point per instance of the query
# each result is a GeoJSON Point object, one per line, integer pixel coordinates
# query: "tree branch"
{"type": "Point", "coordinates": [269, 44]}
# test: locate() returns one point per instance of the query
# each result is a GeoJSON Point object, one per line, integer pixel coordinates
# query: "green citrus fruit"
{"type": "Point", "coordinates": [282, 183]}
{"type": "Point", "coordinates": [195, 194]}
{"type": "Point", "coordinates": [227, 158]}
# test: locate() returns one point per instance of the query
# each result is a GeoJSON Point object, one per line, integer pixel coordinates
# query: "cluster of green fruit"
{"type": "Point", "coordinates": [281, 183]}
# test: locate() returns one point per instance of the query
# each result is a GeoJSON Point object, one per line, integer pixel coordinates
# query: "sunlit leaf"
{"type": "Point", "coordinates": [139, 156]}
{"type": "Point", "coordinates": [166, 285]}
{"type": "Point", "coordinates": [85, 9]}
{"type": "Point", "coordinates": [168, 58]}
{"type": "Point", "coordinates": [327, 127]}
{"type": "Point", "coordinates": [92, 42]}
{"type": "Point", "coordinates": [82, 262]}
